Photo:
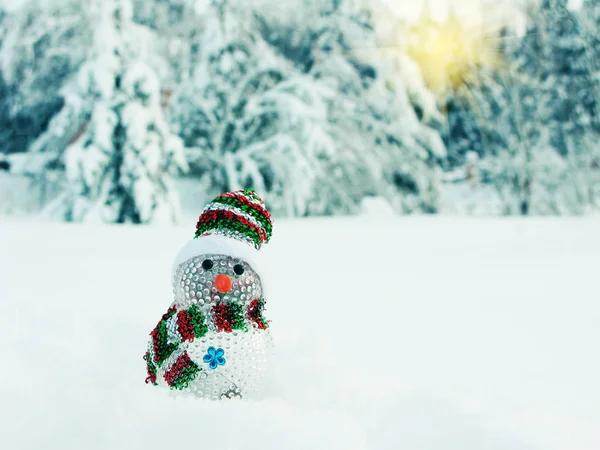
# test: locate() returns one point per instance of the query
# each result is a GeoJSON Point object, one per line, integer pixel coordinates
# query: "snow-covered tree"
{"type": "Point", "coordinates": [6, 135]}
{"type": "Point", "coordinates": [120, 157]}
{"type": "Point", "coordinates": [531, 121]}
{"type": "Point", "coordinates": [518, 110]}
{"type": "Point", "coordinates": [249, 119]}
{"type": "Point", "coordinates": [560, 53]}
{"type": "Point", "coordinates": [568, 67]}
{"type": "Point", "coordinates": [590, 19]}
{"type": "Point", "coordinates": [529, 175]}
{"type": "Point", "coordinates": [463, 133]}
{"type": "Point", "coordinates": [381, 147]}
{"type": "Point", "coordinates": [42, 44]}
{"type": "Point", "coordinates": [176, 26]}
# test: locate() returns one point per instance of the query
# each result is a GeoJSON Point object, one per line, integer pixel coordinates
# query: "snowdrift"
{"type": "Point", "coordinates": [399, 333]}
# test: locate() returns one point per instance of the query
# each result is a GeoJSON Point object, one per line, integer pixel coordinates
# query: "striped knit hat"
{"type": "Point", "coordinates": [235, 224]}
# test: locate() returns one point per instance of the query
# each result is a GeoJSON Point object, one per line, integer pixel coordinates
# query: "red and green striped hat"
{"type": "Point", "coordinates": [235, 224]}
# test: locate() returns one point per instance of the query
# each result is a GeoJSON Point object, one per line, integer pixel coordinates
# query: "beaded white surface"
{"type": "Point", "coordinates": [242, 375]}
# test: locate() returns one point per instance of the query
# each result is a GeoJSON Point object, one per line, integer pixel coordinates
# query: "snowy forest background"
{"type": "Point", "coordinates": [136, 110]}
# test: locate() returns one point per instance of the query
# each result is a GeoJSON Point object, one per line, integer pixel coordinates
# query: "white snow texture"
{"type": "Point", "coordinates": [403, 333]}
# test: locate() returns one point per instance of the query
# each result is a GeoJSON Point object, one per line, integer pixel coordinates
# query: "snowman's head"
{"type": "Point", "coordinates": [212, 279]}
{"type": "Point", "coordinates": [229, 234]}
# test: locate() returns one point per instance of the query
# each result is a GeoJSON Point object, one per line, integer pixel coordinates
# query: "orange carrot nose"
{"type": "Point", "coordinates": [223, 283]}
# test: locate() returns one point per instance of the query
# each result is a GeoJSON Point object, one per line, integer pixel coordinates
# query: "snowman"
{"type": "Point", "coordinates": [213, 342]}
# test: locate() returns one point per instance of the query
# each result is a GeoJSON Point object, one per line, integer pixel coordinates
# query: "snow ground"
{"type": "Point", "coordinates": [403, 333]}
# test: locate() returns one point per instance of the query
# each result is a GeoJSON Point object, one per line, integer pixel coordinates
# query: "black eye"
{"type": "Point", "coordinates": [239, 269]}
{"type": "Point", "coordinates": [207, 264]}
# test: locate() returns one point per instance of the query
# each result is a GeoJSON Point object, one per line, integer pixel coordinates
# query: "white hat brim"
{"type": "Point", "coordinates": [215, 244]}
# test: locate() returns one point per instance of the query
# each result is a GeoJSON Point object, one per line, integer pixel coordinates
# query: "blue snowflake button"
{"type": "Point", "coordinates": [214, 357]}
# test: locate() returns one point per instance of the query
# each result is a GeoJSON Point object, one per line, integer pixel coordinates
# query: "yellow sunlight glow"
{"type": "Point", "coordinates": [450, 54]}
